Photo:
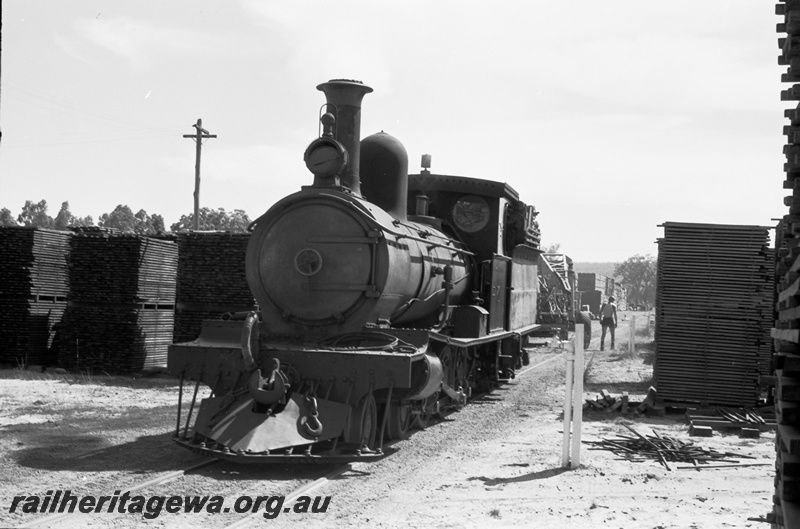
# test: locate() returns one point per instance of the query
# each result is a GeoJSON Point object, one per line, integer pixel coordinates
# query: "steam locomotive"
{"type": "Point", "coordinates": [385, 299]}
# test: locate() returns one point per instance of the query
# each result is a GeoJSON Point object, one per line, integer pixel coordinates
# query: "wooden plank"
{"type": "Point", "coordinates": [789, 438]}
{"type": "Point", "coordinates": [787, 389]}
{"type": "Point", "coordinates": [791, 291]}
{"type": "Point", "coordinates": [787, 335]}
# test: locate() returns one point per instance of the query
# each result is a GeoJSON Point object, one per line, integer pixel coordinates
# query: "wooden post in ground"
{"type": "Point", "coordinates": [577, 399]}
{"type": "Point", "coordinates": [198, 136]}
{"type": "Point", "coordinates": [632, 338]}
{"type": "Point", "coordinates": [570, 357]}
{"type": "Point", "coordinates": [573, 401]}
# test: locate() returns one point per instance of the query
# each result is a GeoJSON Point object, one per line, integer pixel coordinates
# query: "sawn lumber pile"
{"type": "Point", "coordinates": [786, 358]}
{"type": "Point", "coordinates": [211, 280]}
{"type": "Point", "coordinates": [121, 302]}
{"type": "Point", "coordinates": [714, 309]}
{"type": "Point", "coordinates": [124, 269]}
{"type": "Point", "coordinates": [733, 418]}
{"type": "Point", "coordinates": [34, 284]}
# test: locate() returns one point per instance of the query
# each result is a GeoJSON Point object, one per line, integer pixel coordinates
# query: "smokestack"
{"type": "Point", "coordinates": [345, 97]}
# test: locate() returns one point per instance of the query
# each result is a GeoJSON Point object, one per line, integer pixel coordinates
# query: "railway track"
{"type": "Point", "coordinates": [256, 517]}
{"type": "Point", "coordinates": [255, 485]}
{"type": "Point", "coordinates": [294, 495]}
{"type": "Point", "coordinates": [252, 519]}
{"type": "Point", "coordinates": [168, 477]}
{"type": "Point", "coordinates": [248, 516]}
{"type": "Point", "coordinates": [538, 364]}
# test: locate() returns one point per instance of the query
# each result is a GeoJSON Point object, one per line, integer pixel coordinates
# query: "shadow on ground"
{"type": "Point", "coordinates": [541, 474]}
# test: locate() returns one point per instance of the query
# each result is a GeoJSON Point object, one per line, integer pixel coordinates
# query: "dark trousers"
{"type": "Point", "coordinates": [607, 323]}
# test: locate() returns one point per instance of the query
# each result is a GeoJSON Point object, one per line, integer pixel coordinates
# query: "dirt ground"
{"type": "Point", "coordinates": [496, 463]}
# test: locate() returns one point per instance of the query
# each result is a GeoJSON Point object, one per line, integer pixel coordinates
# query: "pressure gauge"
{"type": "Point", "coordinates": [325, 157]}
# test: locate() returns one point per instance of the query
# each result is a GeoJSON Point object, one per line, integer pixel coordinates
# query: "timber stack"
{"type": "Point", "coordinates": [121, 302]}
{"type": "Point", "coordinates": [714, 311]}
{"type": "Point", "coordinates": [33, 293]}
{"type": "Point", "coordinates": [786, 334]}
{"type": "Point", "coordinates": [211, 280]}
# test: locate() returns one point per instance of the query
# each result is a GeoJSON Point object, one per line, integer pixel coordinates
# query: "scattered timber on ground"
{"type": "Point", "coordinates": [664, 449]}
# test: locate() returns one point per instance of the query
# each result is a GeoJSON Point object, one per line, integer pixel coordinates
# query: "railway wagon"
{"type": "Point", "coordinates": [384, 300]}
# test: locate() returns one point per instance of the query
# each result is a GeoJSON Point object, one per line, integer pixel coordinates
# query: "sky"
{"type": "Point", "coordinates": [609, 117]}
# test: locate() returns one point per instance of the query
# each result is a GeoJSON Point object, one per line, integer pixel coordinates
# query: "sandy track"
{"type": "Point", "coordinates": [495, 463]}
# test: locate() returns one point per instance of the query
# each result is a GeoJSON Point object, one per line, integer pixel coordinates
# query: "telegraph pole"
{"type": "Point", "coordinates": [198, 136]}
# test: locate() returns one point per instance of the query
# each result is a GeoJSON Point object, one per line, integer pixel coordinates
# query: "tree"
{"type": "Point", "coordinates": [552, 248]}
{"type": "Point", "coordinates": [639, 277]}
{"type": "Point", "coordinates": [83, 221]}
{"type": "Point", "coordinates": [236, 221]}
{"type": "Point", "coordinates": [6, 219]}
{"type": "Point", "coordinates": [148, 225]}
{"type": "Point", "coordinates": [65, 219]}
{"type": "Point", "coordinates": [158, 224]}
{"type": "Point", "coordinates": [35, 214]}
{"type": "Point", "coordinates": [121, 218]}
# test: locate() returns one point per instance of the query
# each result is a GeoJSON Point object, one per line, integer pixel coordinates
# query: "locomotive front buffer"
{"type": "Point", "coordinates": [279, 402]}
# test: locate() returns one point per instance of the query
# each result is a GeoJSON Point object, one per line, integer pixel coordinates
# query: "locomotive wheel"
{"type": "Point", "coordinates": [363, 426]}
{"type": "Point", "coordinates": [423, 420]}
{"type": "Point", "coordinates": [462, 371]}
{"type": "Point", "coordinates": [455, 363]}
{"type": "Point", "coordinates": [448, 359]}
{"type": "Point", "coordinates": [399, 422]}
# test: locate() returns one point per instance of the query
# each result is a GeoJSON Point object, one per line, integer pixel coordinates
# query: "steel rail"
{"type": "Point", "coordinates": [531, 368]}
{"type": "Point", "coordinates": [166, 478]}
{"type": "Point", "coordinates": [319, 482]}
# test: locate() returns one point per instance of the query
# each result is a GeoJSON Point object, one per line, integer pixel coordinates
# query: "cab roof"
{"type": "Point", "coordinates": [461, 184]}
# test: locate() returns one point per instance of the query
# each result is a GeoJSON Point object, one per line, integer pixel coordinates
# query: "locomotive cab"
{"type": "Point", "coordinates": [491, 220]}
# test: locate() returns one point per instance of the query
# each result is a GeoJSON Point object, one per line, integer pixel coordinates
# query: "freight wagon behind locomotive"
{"type": "Point", "coordinates": [384, 299]}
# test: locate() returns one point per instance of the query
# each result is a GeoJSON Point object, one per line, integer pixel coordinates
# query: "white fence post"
{"type": "Point", "coordinates": [577, 400]}
{"type": "Point", "coordinates": [573, 401]}
{"type": "Point", "coordinates": [632, 338]}
{"type": "Point", "coordinates": [570, 357]}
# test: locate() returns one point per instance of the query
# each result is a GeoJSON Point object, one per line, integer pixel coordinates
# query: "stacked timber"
{"type": "Point", "coordinates": [786, 359]}
{"type": "Point", "coordinates": [122, 297]}
{"type": "Point", "coordinates": [211, 280]}
{"type": "Point", "coordinates": [594, 288]}
{"type": "Point", "coordinates": [141, 270]}
{"type": "Point", "coordinates": [588, 282]}
{"type": "Point", "coordinates": [714, 309]}
{"type": "Point", "coordinates": [33, 293]}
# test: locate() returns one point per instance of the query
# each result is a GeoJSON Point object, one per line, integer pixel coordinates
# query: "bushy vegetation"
{"type": "Point", "coordinates": [124, 219]}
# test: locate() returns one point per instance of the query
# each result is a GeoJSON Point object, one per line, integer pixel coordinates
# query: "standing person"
{"type": "Point", "coordinates": [608, 320]}
{"type": "Point", "coordinates": [585, 317]}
